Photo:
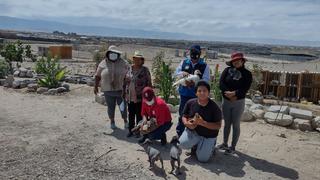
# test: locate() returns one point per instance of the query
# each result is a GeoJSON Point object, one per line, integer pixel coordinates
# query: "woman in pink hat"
{"type": "Point", "coordinates": [235, 82]}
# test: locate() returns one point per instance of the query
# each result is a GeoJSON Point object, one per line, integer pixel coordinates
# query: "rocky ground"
{"type": "Point", "coordinates": [66, 137]}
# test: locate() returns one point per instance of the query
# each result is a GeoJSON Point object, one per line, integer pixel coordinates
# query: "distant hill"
{"type": "Point", "coordinates": [50, 26]}
{"type": "Point", "coordinates": [13, 23]}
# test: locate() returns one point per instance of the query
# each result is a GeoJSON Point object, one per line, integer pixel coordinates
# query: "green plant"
{"type": "Point", "coordinates": [216, 92]}
{"type": "Point", "coordinates": [4, 68]}
{"type": "Point", "coordinates": [52, 71]}
{"type": "Point", "coordinates": [163, 78]}
{"type": "Point", "coordinates": [15, 52]}
{"type": "Point", "coordinates": [166, 81]}
{"type": "Point", "coordinates": [156, 68]}
{"type": "Point", "coordinates": [257, 78]}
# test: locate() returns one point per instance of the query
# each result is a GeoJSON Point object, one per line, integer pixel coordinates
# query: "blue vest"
{"type": "Point", "coordinates": [187, 67]}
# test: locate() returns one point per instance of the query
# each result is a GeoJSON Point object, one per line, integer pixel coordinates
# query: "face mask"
{"type": "Point", "coordinates": [194, 55]}
{"type": "Point", "coordinates": [113, 56]}
{"type": "Point", "coordinates": [150, 103]}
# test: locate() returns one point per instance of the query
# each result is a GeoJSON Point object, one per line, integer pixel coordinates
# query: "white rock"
{"type": "Point", "coordinates": [61, 89]}
{"type": "Point", "coordinates": [9, 81]}
{"type": "Point", "coordinates": [23, 72]}
{"type": "Point", "coordinates": [257, 98]}
{"type": "Point", "coordinates": [302, 124]}
{"type": "Point", "coordinates": [315, 122]}
{"type": "Point", "coordinates": [278, 119]}
{"type": "Point", "coordinates": [2, 81]}
{"type": "Point", "coordinates": [256, 106]}
{"type": "Point", "coordinates": [52, 91]}
{"type": "Point", "coordinates": [32, 87]}
{"type": "Point", "coordinates": [248, 102]}
{"type": "Point", "coordinates": [16, 84]}
{"type": "Point", "coordinates": [257, 113]}
{"type": "Point", "coordinates": [277, 108]}
{"type": "Point", "coordinates": [99, 98]}
{"type": "Point", "coordinates": [16, 73]}
{"type": "Point", "coordinates": [302, 114]}
{"type": "Point", "coordinates": [90, 82]}
{"type": "Point", "coordinates": [41, 90]}
{"type": "Point", "coordinates": [29, 74]}
{"type": "Point", "coordinates": [247, 116]}
{"type": "Point", "coordinates": [23, 84]}
{"type": "Point", "coordinates": [67, 86]}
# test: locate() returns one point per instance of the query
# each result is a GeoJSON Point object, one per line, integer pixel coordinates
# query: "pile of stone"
{"type": "Point", "coordinates": [79, 79]}
{"type": "Point", "coordinates": [281, 115]}
{"type": "Point", "coordinates": [53, 91]}
{"type": "Point", "coordinates": [23, 73]}
{"type": "Point", "coordinates": [32, 86]}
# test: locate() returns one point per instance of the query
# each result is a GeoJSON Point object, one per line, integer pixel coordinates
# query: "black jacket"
{"type": "Point", "coordinates": [240, 85]}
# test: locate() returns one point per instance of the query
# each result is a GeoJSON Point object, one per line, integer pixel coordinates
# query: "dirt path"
{"type": "Point", "coordinates": [65, 137]}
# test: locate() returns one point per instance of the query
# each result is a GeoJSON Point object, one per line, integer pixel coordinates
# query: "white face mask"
{"type": "Point", "coordinates": [113, 56]}
{"type": "Point", "coordinates": [150, 103]}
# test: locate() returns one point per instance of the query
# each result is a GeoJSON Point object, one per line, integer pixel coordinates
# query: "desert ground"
{"type": "Point", "coordinates": [67, 136]}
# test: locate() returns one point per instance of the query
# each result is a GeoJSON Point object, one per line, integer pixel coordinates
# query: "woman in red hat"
{"type": "Point", "coordinates": [155, 108]}
{"type": "Point", "coordinates": [235, 82]}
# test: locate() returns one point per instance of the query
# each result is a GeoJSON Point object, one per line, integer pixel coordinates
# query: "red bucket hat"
{"type": "Point", "coordinates": [236, 56]}
{"type": "Point", "coordinates": [148, 93]}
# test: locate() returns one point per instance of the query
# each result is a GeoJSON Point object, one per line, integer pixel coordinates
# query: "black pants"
{"type": "Point", "coordinates": [134, 113]}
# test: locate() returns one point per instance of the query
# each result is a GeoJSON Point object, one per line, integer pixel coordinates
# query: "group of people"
{"type": "Point", "coordinates": [200, 118]}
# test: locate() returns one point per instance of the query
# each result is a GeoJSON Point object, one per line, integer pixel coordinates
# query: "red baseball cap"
{"type": "Point", "coordinates": [148, 93]}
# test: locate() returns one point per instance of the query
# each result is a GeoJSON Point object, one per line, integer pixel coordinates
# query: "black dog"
{"type": "Point", "coordinates": [175, 153]}
{"type": "Point", "coordinates": [153, 154]}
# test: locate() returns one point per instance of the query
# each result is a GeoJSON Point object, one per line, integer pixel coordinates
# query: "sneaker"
{"type": "Point", "coordinates": [230, 151]}
{"type": "Point", "coordinates": [164, 140]}
{"type": "Point", "coordinates": [223, 146]}
{"type": "Point", "coordinates": [129, 134]}
{"type": "Point", "coordinates": [192, 152]}
{"type": "Point", "coordinates": [113, 125]}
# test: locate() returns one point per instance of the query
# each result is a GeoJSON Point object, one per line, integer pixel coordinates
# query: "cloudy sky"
{"type": "Point", "coordinates": [276, 19]}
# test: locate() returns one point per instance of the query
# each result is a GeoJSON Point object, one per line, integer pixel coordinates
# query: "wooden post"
{"type": "Point", "coordinates": [299, 85]}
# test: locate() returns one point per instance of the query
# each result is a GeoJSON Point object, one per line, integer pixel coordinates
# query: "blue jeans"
{"type": "Point", "coordinates": [158, 133]}
{"type": "Point", "coordinates": [180, 126]}
{"type": "Point", "coordinates": [205, 146]}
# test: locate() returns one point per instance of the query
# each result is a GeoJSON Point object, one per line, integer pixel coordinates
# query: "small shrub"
{"type": "Point", "coordinates": [215, 86]}
{"type": "Point", "coordinates": [4, 68]}
{"type": "Point", "coordinates": [163, 79]}
{"type": "Point", "coordinates": [16, 52]}
{"type": "Point", "coordinates": [52, 71]}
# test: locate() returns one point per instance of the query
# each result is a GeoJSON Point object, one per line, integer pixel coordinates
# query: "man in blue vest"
{"type": "Point", "coordinates": [186, 67]}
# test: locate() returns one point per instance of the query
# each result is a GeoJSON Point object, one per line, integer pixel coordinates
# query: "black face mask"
{"type": "Point", "coordinates": [194, 55]}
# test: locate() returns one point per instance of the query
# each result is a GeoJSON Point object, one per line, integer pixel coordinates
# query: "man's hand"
{"type": "Point", "coordinates": [95, 90]}
{"type": "Point", "coordinates": [198, 119]}
{"type": "Point", "coordinates": [190, 124]}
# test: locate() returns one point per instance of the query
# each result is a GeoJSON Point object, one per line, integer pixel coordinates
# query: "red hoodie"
{"type": "Point", "coordinates": [158, 110]}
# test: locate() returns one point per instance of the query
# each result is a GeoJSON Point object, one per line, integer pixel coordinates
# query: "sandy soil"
{"type": "Point", "coordinates": [67, 137]}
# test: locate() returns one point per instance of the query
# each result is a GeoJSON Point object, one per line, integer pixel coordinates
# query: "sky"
{"type": "Point", "coordinates": [275, 19]}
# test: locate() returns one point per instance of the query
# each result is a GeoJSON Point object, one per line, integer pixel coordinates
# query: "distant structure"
{"type": "Point", "coordinates": [43, 51]}
{"type": "Point", "coordinates": [61, 51]}
{"type": "Point", "coordinates": [177, 53]}
{"type": "Point", "coordinates": [1, 40]}
{"type": "Point", "coordinates": [212, 54]}
{"type": "Point", "coordinates": [185, 53]}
